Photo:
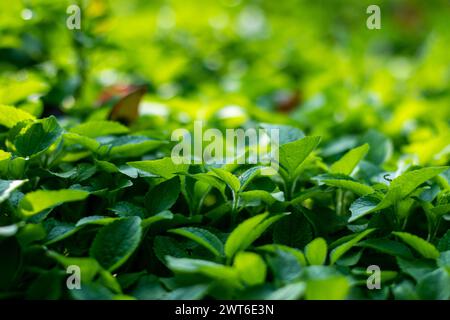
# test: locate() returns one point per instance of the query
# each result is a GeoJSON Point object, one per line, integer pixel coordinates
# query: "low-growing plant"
{"type": "Point", "coordinates": [93, 205]}
{"type": "Point", "coordinates": [151, 229]}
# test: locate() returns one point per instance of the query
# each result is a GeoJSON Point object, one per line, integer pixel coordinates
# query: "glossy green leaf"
{"type": "Point", "coordinates": [387, 246]}
{"type": "Point", "coordinates": [116, 242]}
{"type": "Point", "coordinates": [230, 179]}
{"type": "Point", "coordinates": [93, 129]}
{"type": "Point", "coordinates": [293, 154]}
{"type": "Point", "coordinates": [165, 215]}
{"type": "Point", "coordinates": [226, 274]}
{"type": "Point", "coordinates": [426, 249]}
{"type": "Point", "coordinates": [37, 201]}
{"type": "Point", "coordinates": [363, 206]}
{"type": "Point", "coordinates": [10, 116]}
{"type": "Point", "coordinates": [250, 267]}
{"type": "Point", "coordinates": [316, 251]}
{"type": "Point", "coordinates": [343, 248]}
{"type": "Point", "coordinates": [435, 285]}
{"type": "Point", "coordinates": [247, 232]}
{"type": "Point", "coordinates": [332, 288]}
{"type": "Point", "coordinates": [8, 186]}
{"type": "Point", "coordinates": [403, 185]}
{"type": "Point", "coordinates": [164, 168]}
{"type": "Point", "coordinates": [37, 136]}
{"type": "Point", "coordinates": [162, 196]}
{"type": "Point", "coordinates": [202, 237]}
{"type": "Point", "coordinates": [345, 182]}
{"type": "Point", "coordinates": [350, 160]}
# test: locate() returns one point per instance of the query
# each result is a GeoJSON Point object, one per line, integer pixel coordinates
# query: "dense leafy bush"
{"type": "Point", "coordinates": [86, 177]}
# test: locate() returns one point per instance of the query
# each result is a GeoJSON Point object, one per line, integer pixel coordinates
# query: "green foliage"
{"type": "Point", "coordinates": [247, 232]}
{"type": "Point", "coordinates": [94, 129]}
{"type": "Point", "coordinates": [339, 251]}
{"type": "Point", "coordinates": [116, 242]}
{"type": "Point", "coordinates": [37, 201]}
{"type": "Point", "coordinates": [350, 160]}
{"type": "Point", "coordinates": [251, 268]}
{"type": "Point", "coordinates": [88, 179]}
{"type": "Point", "coordinates": [294, 153]}
{"type": "Point", "coordinates": [426, 249]}
{"type": "Point", "coordinates": [33, 138]}
{"type": "Point", "coordinates": [7, 187]}
{"type": "Point", "coordinates": [316, 251]}
{"type": "Point", "coordinates": [10, 116]}
{"type": "Point", "coordinates": [202, 237]}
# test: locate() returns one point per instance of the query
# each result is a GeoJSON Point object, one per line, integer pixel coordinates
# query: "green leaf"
{"type": "Point", "coordinates": [230, 179]}
{"type": "Point", "coordinates": [89, 143]}
{"type": "Point", "coordinates": [116, 242]}
{"type": "Point", "coordinates": [89, 267]}
{"type": "Point", "coordinates": [37, 201]}
{"type": "Point", "coordinates": [398, 190]}
{"type": "Point", "coordinates": [163, 196]}
{"type": "Point", "coordinates": [239, 239]}
{"type": "Point", "coordinates": [294, 231]}
{"type": "Point", "coordinates": [403, 185]}
{"type": "Point", "coordinates": [285, 264]}
{"type": "Point", "coordinates": [4, 155]}
{"type": "Point", "coordinates": [57, 230]}
{"type": "Point", "coordinates": [316, 251]}
{"type": "Point", "coordinates": [416, 268]}
{"type": "Point", "coordinates": [94, 129]}
{"type": "Point", "coordinates": [331, 288]}
{"type": "Point", "coordinates": [256, 197]}
{"type": "Point", "coordinates": [380, 147]}
{"type": "Point", "coordinates": [195, 292]}
{"type": "Point", "coordinates": [225, 274]}
{"type": "Point", "coordinates": [440, 210]}
{"type": "Point", "coordinates": [343, 181]}
{"type": "Point", "coordinates": [164, 167]}
{"type": "Point", "coordinates": [95, 220]}
{"type": "Point", "coordinates": [10, 116]}
{"type": "Point", "coordinates": [13, 167]}
{"type": "Point", "coordinates": [148, 287]}
{"type": "Point", "coordinates": [423, 247]}
{"type": "Point", "coordinates": [444, 242]}
{"type": "Point", "coordinates": [293, 154]}
{"type": "Point", "coordinates": [37, 136]}
{"type": "Point", "coordinates": [8, 186]}
{"type": "Point", "coordinates": [92, 291]}
{"type": "Point", "coordinates": [247, 232]}
{"type": "Point", "coordinates": [210, 179]}
{"type": "Point", "coordinates": [435, 285]}
{"type": "Point", "coordinates": [248, 175]}
{"type": "Point", "coordinates": [350, 160]}
{"type": "Point", "coordinates": [444, 259]}
{"type": "Point", "coordinates": [203, 237]}
{"type": "Point", "coordinates": [343, 248]}
{"type": "Point", "coordinates": [273, 248]}
{"type": "Point", "coordinates": [250, 267]}
{"type": "Point", "coordinates": [165, 215]}
{"type": "Point", "coordinates": [293, 291]}
{"type": "Point", "coordinates": [387, 246]}
{"type": "Point", "coordinates": [363, 206]}
{"type": "Point", "coordinates": [127, 209]}
{"type": "Point", "coordinates": [130, 146]}
{"type": "Point", "coordinates": [286, 133]}
{"type": "Point", "coordinates": [405, 291]}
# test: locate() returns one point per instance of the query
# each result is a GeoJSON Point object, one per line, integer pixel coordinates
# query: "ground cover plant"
{"type": "Point", "coordinates": [92, 205]}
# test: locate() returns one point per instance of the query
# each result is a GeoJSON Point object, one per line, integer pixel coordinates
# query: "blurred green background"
{"type": "Point", "coordinates": [311, 64]}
